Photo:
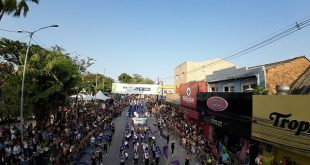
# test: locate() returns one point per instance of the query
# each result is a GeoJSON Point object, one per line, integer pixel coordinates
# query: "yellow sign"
{"type": "Point", "coordinates": [283, 121]}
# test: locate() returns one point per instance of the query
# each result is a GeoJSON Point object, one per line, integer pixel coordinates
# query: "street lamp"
{"type": "Point", "coordinates": [23, 80]}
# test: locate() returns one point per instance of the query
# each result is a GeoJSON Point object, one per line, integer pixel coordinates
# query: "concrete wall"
{"type": "Point", "coordinates": [286, 73]}
{"type": "Point", "coordinates": [197, 71]}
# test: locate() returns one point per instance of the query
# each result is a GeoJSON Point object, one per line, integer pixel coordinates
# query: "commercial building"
{"type": "Point", "coordinates": [190, 71]}
{"type": "Point", "coordinates": [268, 75]}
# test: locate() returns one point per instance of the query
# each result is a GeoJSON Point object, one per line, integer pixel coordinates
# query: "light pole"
{"type": "Point", "coordinates": [23, 80]}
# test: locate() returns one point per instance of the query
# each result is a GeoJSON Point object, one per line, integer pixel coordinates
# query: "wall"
{"type": "Point", "coordinates": [234, 73]}
{"type": "Point", "coordinates": [183, 74]}
{"type": "Point", "coordinates": [285, 74]}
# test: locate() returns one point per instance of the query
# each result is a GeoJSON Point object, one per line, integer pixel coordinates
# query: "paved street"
{"type": "Point", "coordinates": [114, 150]}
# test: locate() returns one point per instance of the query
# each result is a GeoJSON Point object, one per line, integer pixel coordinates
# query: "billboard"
{"type": "Point", "coordinates": [122, 88]}
{"type": "Point", "coordinates": [188, 93]}
{"type": "Point", "coordinates": [283, 121]}
{"type": "Point", "coordinates": [230, 111]}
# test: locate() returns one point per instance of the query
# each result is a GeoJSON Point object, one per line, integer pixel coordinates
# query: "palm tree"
{"type": "Point", "coordinates": [15, 7]}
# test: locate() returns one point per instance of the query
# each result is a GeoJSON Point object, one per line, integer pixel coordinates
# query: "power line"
{"type": "Point", "coordinates": [289, 30]}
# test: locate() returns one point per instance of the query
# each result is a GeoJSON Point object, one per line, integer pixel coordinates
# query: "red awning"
{"type": "Point", "coordinates": [189, 112]}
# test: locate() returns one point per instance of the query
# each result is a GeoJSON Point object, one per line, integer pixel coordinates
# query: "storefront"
{"type": "Point", "coordinates": [188, 99]}
{"type": "Point", "coordinates": [229, 118]}
{"type": "Point", "coordinates": [281, 124]}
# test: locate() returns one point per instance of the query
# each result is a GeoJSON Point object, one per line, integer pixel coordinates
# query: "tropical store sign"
{"type": "Point", "coordinates": [282, 121]}
{"type": "Point", "coordinates": [122, 88]}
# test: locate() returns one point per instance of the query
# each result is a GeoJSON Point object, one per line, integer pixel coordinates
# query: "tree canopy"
{"type": "Point", "coordinates": [51, 76]}
{"type": "Point", "coordinates": [15, 7]}
{"type": "Point", "coordinates": [134, 79]}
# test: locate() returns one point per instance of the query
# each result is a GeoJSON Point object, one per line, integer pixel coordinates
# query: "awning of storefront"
{"type": "Point", "coordinates": [282, 121]}
{"type": "Point", "coordinates": [189, 112]}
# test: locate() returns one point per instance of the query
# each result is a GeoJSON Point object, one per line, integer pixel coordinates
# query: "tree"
{"type": "Point", "coordinates": [50, 78]}
{"type": "Point", "coordinates": [260, 90]}
{"type": "Point", "coordinates": [125, 78]}
{"type": "Point", "coordinates": [15, 7]}
{"type": "Point", "coordinates": [149, 81]}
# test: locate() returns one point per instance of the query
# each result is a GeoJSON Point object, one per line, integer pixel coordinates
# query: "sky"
{"type": "Point", "coordinates": [152, 37]}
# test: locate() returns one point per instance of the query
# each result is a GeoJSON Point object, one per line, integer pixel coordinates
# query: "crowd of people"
{"type": "Point", "coordinates": [192, 138]}
{"type": "Point", "coordinates": [60, 140]}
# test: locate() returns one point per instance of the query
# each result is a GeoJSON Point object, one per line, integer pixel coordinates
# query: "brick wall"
{"type": "Point", "coordinates": [286, 73]}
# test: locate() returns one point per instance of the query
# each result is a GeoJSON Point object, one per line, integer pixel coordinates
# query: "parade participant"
{"type": "Point", "coordinates": [172, 147]}
{"type": "Point", "coordinates": [136, 158]}
{"type": "Point", "coordinates": [157, 155]}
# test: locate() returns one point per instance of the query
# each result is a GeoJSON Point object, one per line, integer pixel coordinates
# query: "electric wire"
{"type": "Point", "coordinates": [289, 30]}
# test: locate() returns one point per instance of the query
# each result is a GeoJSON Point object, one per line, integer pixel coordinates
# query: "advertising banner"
{"type": "Point", "coordinates": [283, 121]}
{"type": "Point", "coordinates": [122, 88]}
{"type": "Point", "coordinates": [188, 93]}
{"type": "Point", "coordinates": [230, 111]}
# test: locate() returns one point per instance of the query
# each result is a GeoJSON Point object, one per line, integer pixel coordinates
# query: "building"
{"type": "Point", "coordinates": [196, 71]}
{"type": "Point", "coordinates": [268, 75]}
{"type": "Point", "coordinates": [302, 84]}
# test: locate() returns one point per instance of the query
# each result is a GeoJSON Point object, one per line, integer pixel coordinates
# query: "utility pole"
{"type": "Point", "coordinates": [103, 78]}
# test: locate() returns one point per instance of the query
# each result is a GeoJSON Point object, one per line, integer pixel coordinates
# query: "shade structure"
{"type": "Point", "coordinates": [101, 96]}
{"type": "Point", "coordinates": [87, 97]}
{"type": "Point", "coordinates": [80, 97]}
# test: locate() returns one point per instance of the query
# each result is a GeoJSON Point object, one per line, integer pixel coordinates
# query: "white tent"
{"type": "Point", "coordinates": [87, 97]}
{"type": "Point", "coordinates": [101, 96]}
{"type": "Point", "coordinates": [74, 97]}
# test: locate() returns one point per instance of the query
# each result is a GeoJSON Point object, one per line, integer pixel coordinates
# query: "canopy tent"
{"type": "Point", "coordinates": [80, 97]}
{"type": "Point", "coordinates": [87, 97]}
{"type": "Point", "coordinates": [101, 96]}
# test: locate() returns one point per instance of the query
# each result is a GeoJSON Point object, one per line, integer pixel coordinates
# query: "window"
{"type": "Point", "coordinates": [213, 88]}
{"type": "Point", "coordinates": [247, 86]}
{"type": "Point", "coordinates": [231, 89]}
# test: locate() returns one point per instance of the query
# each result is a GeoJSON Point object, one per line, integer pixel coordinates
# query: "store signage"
{"type": "Point", "coordinates": [188, 97]}
{"type": "Point", "coordinates": [281, 120]}
{"type": "Point", "coordinates": [217, 103]}
{"type": "Point", "coordinates": [216, 122]}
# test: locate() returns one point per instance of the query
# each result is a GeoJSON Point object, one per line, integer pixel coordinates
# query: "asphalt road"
{"type": "Point", "coordinates": [114, 150]}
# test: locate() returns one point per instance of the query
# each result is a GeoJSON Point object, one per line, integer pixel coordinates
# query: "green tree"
{"type": "Point", "coordinates": [260, 90]}
{"type": "Point", "coordinates": [125, 78]}
{"type": "Point", "coordinates": [89, 83]}
{"type": "Point", "coordinates": [15, 7]}
{"type": "Point", "coordinates": [137, 79]}
{"type": "Point", "coordinates": [50, 78]}
{"type": "Point", "coordinates": [149, 81]}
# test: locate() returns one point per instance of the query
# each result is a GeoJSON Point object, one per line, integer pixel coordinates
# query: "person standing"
{"type": "Point", "coordinates": [172, 147]}
{"type": "Point", "coordinates": [136, 158]}
{"type": "Point", "coordinates": [105, 148]}
{"type": "Point", "coordinates": [168, 138]}
{"type": "Point", "coordinates": [187, 158]}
